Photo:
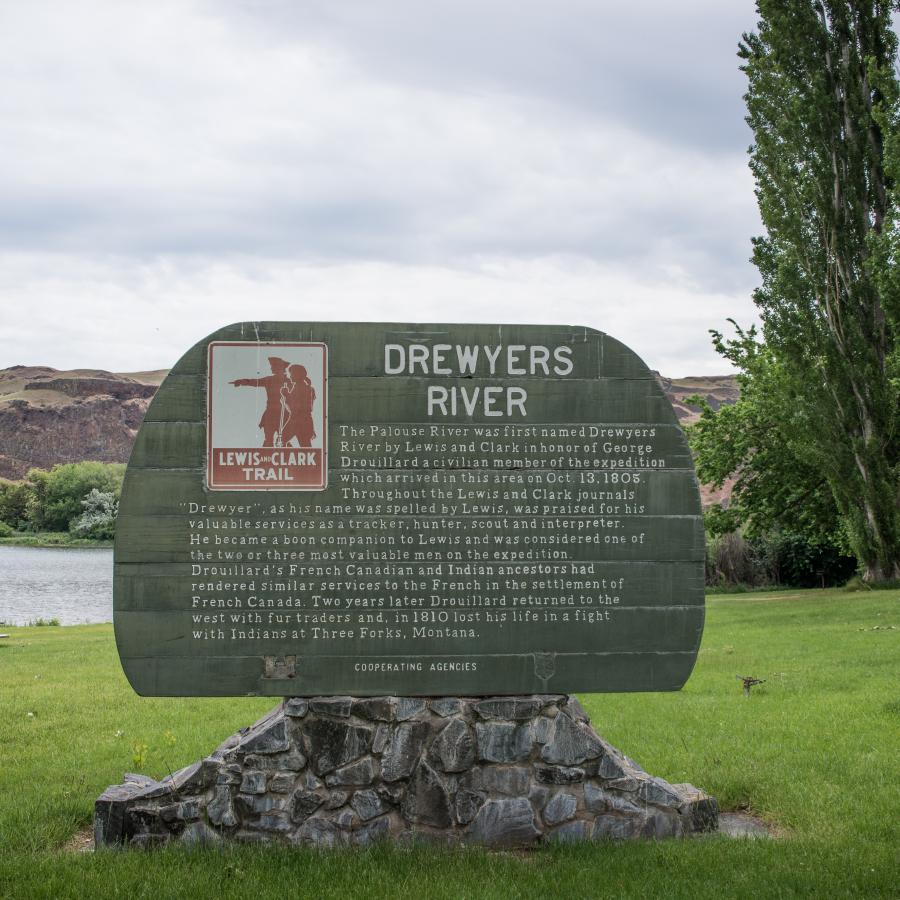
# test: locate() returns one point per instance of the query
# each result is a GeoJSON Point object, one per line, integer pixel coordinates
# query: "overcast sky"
{"type": "Point", "coordinates": [169, 167]}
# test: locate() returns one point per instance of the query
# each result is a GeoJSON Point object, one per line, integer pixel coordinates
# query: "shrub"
{"type": "Point", "coordinates": [99, 517]}
{"type": "Point", "coordinates": [6, 530]}
{"type": "Point", "coordinates": [56, 496]}
{"type": "Point", "coordinates": [14, 503]}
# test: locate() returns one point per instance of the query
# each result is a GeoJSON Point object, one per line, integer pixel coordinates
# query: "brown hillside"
{"type": "Point", "coordinates": [48, 416]}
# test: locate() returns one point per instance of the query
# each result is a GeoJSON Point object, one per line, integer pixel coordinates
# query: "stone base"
{"type": "Point", "coordinates": [334, 771]}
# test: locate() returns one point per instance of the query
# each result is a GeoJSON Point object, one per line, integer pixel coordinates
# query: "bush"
{"type": "Point", "coordinates": [55, 500]}
{"type": "Point", "coordinates": [14, 503]}
{"type": "Point", "coordinates": [99, 517]}
{"type": "Point", "coordinates": [774, 558]}
{"type": "Point", "coordinates": [6, 530]}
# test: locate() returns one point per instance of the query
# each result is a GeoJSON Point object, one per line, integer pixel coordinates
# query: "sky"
{"type": "Point", "coordinates": [168, 168]}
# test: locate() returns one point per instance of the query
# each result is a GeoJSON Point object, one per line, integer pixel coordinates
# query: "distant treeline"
{"type": "Point", "coordinates": [81, 498]}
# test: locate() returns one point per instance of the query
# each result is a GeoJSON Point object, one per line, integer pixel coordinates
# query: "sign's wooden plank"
{"type": "Point", "coordinates": [358, 349]}
{"type": "Point", "coordinates": [589, 492]}
{"type": "Point", "coordinates": [620, 584]}
{"type": "Point", "coordinates": [423, 630]}
{"type": "Point", "coordinates": [423, 538]}
{"type": "Point", "coordinates": [386, 472]}
{"type": "Point", "coordinates": [230, 676]}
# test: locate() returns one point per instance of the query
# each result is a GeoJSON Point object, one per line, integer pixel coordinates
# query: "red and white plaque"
{"type": "Point", "coordinates": [266, 416]}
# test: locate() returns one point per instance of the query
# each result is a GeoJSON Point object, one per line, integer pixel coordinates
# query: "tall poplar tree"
{"type": "Point", "coordinates": [822, 102]}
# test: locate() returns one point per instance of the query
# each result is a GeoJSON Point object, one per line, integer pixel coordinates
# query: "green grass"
{"type": "Point", "coordinates": [50, 539]}
{"type": "Point", "coordinates": [814, 751]}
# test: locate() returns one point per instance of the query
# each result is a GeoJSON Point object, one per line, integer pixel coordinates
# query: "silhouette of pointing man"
{"type": "Point", "coordinates": [270, 421]}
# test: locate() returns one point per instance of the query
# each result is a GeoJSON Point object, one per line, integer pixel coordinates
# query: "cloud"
{"type": "Point", "coordinates": [390, 156]}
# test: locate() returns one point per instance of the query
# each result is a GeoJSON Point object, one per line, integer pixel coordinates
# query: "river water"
{"type": "Point", "coordinates": [74, 586]}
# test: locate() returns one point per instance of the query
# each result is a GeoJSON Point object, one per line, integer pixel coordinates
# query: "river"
{"type": "Point", "coordinates": [74, 586]}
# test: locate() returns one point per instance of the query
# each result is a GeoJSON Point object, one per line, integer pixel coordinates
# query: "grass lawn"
{"type": "Point", "coordinates": [815, 751]}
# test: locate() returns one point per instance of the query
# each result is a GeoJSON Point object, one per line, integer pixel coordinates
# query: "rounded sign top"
{"type": "Point", "coordinates": [334, 508]}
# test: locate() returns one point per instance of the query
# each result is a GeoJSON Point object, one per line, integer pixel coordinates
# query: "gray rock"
{"type": "Point", "coordinates": [543, 729]}
{"type": "Point", "coordinates": [503, 741]}
{"type": "Point", "coordinates": [570, 833]}
{"type": "Point", "coordinates": [379, 830]}
{"type": "Point", "coordinates": [504, 823]}
{"type": "Point", "coordinates": [427, 801]}
{"type": "Point", "coordinates": [559, 774]}
{"type": "Point", "coordinates": [660, 825]}
{"type": "Point", "coordinates": [336, 799]}
{"type": "Point", "coordinates": [454, 747]}
{"type": "Point", "coordinates": [331, 706]}
{"type": "Point", "coordinates": [367, 804]}
{"type": "Point", "coordinates": [296, 707]}
{"type": "Point", "coordinates": [403, 750]}
{"type": "Point", "coordinates": [253, 783]}
{"type": "Point", "coordinates": [292, 760]}
{"type": "Point", "coordinates": [376, 709]}
{"type": "Point", "coordinates": [334, 744]}
{"type": "Point", "coordinates": [561, 808]}
{"type": "Point", "coordinates": [574, 709]}
{"type": "Point", "coordinates": [627, 785]}
{"type": "Point", "coordinates": [659, 793]}
{"type": "Point", "coordinates": [310, 782]}
{"type": "Point", "coordinates": [253, 804]}
{"type": "Point", "coordinates": [358, 774]}
{"type": "Point", "coordinates": [511, 780]}
{"type": "Point", "coordinates": [613, 766]}
{"type": "Point", "coordinates": [269, 738]}
{"type": "Point", "coordinates": [508, 708]}
{"type": "Point", "coordinates": [382, 736]}
{"type": "Point", "coordinates": [199, 834]}
{"type": "Point", "coordinates": [392, 794]}
{"type": "Point", "coordinates": [467, 805]}
{"type": "Point", "coordinates": [446, 706]}
{"type": "Point", "coordinates": [220, 809]}
{"type": "Point", "coordinates": [346, 819]}
{"type": "Point", "coordinates": [282, 782]}
{"type": "Point", "coordinates": [699, 811]}
{"type": "Point", "coordinates": [318, 832]}
{"type": "Point", "coordinates": [598, 800]}
{"type": "Point", "coordinates": [188, 809]}
{"type": "Point", "coordinates": [572, 743]}
{"type": "Point", "coordinates": [616, 828]}
{"type": "Point", "coordinates": [538, 795]}
{"type": "Point", "coordinates": [304, 804]}
{"type": "Point", "coordinates": [407, 707]}
{"type": "Point", "coordinates": [273, 822]}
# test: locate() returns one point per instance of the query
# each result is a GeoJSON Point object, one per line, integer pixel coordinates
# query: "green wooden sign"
{"type": "Point", "coordinates": [368, 509]}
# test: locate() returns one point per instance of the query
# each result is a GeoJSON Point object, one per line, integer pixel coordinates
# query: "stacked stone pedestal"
{"type": "Point", "coordinates": [334, 771]}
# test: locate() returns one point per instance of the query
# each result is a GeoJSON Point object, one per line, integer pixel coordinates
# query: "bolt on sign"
{"type": "Point", "coordinates": [370, 509]}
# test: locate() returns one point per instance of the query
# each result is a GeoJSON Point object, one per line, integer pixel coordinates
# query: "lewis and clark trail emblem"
{"type": "Point", "coordinates": [267, 422]}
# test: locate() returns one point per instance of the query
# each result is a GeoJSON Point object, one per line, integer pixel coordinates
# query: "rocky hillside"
{"type": "Point", "coordinates": [48, 416]}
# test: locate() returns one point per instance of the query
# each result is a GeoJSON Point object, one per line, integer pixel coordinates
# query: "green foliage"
{"type": "Point", "coordinates": [813, 441]}
{"type": "Point", "coordinates": [774, 558]}
{"type": "Point", "coordinates": [99, 517]}
{"type": "Point", "coordinates": [13, 503]}
{"type": "Point", "coordinates": [56, 496]}
{"type": "Point", "coordinates": [58, 500]}
{"type": "Point", "coordinates": [6, 530]}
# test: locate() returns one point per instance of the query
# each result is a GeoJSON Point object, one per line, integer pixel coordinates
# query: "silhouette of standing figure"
{"type": "Point", "coordinates": [271, 419]}
{"type": "Point", "coordinates": [299, 396]}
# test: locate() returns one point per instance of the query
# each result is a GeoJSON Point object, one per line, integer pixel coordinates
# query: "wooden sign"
{"type": "Point", "coordinates": [408, 509]}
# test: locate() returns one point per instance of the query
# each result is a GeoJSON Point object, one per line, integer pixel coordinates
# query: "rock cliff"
{"type": "Point", "coordinates": [48, 416]}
